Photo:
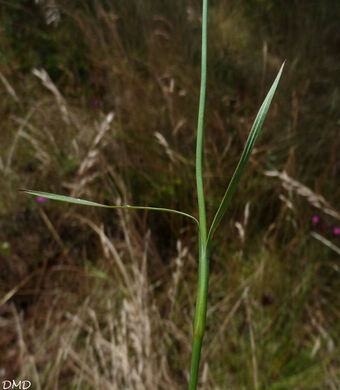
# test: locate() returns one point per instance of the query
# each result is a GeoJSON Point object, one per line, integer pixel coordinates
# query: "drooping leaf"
{"type": "Point", "coordinates": [83, 202]}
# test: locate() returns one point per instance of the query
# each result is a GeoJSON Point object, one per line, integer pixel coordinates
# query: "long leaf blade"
{"type": "Point", "coordinates": [83, 202]}
{"type": "Point", "coordinates": [254, 132]}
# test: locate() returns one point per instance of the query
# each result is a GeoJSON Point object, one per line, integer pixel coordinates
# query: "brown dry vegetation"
{"type": "Point", "coordinates": [102, 106]}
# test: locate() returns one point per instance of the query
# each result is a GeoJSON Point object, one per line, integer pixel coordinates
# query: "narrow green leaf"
{"type": "Point", "coordinates": [83, 202]}
{"type": "Point", "coordinates": [254, 132]}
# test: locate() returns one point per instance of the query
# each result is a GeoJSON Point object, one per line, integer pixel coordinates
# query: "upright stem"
{"type": "Point", "coordinates": [203, 273]}
{"type": "Point", "coordinates": [200, 316]}
{"type": "Point", "coordinates": [200, 129]}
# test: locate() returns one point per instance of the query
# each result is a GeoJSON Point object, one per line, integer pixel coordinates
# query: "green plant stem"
{"type": "Point", "coordinates": [203, 274]}
{"type": "Point", "coordinates": [200, 316]}
{"type": "Point", "coordinates": [200, 129]}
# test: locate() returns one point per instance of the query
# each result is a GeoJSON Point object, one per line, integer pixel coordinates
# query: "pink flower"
{"type": "Point", "coordinates": [315, 219]}
{"type": "Point", "coordinates": [95, 102]}
{"type": "Point", "coordinates": [41, 199]}
{"type": "Point", "coordinates": [336, 231]}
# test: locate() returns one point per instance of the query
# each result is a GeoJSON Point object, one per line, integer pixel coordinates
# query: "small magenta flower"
{"type": "Point", "coordinates": [41, 199]}
{"type": "Point", "coordinates": [336, 231]}
{"type": "Point", "coordinates": [95, 102]}
{"type": "Point", "coordinates": [315, 219]}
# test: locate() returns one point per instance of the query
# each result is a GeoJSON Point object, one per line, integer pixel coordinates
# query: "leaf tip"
{"type": "Point", "coordinates": [283, 65]}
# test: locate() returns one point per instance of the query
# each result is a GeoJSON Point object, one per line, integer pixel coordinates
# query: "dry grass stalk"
{"type": "Point", "coordinates": [92, 155]}
{"type": "Point", "coordinates": [48, 83]}
{"type": "Point", "coordinates": [115, 340]}
{"type": "Point", "coordinates": [9, 88]}
{"type": "Point", "coordinates": [294, 186]}
{"type": "Point", "coordinates": [86, 173]}
{"type": "Point", "coordinates": [177, 274]}
{"type": "Point", "coordinates": [326, 242]}
{"type": "Point", "coordinates": [121, 351]}
{"type": "Point", "coordinates": [109, 249]}
{"type": "Point", "coordinates": [163, 142]}
{"type": "Point", "coordinates": [19, 133]}
{"type": "Point", "coordinates": [51, 11]}
{"type": "Point", "coordinates": [173, 156]}
{"type": "Point", "coordinates": [241, 227]}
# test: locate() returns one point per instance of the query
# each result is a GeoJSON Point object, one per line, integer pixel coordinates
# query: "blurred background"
{"type": "Point", "coordinates": [98, 100]}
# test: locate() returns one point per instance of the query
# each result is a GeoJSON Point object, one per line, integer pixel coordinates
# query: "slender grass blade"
{"type": "Point", "coordinates": [83, 202]}
{"type": "Point", "coordinates": [254, 132]}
